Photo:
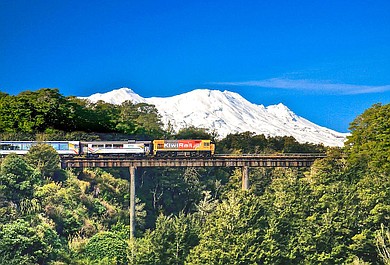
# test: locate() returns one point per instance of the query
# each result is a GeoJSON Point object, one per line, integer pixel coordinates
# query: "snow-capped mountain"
{"type": "Point", "coordinates": [228, 112]}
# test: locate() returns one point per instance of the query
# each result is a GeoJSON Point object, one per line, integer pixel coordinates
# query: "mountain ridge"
{"type": "Point", "coordinates": [228, 112]}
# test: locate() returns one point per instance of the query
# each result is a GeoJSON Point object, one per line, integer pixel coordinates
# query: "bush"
{"type": "Point", "coordinates": [107, 245]}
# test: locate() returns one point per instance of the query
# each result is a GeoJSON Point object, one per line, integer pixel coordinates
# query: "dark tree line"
{"type": "Point", "coordinates": [46, 110]}
{"type": "Point", "coordinates": [250, 143]}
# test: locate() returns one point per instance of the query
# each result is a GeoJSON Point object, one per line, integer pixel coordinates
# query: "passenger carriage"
{"type": "Point", "coordinates": [115, 148]}
{"type": "Point", "coordinates": [65, 148]}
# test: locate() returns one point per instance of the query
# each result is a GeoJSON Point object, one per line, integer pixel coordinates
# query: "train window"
{"type": "Point", "coordinates": [118, 146]}
{"type": "Point", "coordinates": [206, 144]}
{"type": "Point", "coordinates": [160, 146]}
{"type": "Point", "coordinates": [15, 147]}
{"type": "Point", "coordinates": [22, 146]}
{"type": "Point", "coordinates": [5, 147]}
{"type": "Point", "coordinates": [56, 146]}
{"type": "Point", "coordinates": [64, 146]}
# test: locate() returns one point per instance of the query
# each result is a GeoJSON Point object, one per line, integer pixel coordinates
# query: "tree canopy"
{"type": "Point", "coordinates": [46, 109]}
{"type": "Point", "coordinates": [368, 145]}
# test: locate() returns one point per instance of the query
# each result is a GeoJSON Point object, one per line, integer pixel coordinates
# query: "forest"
{"type": "Point", "coordinates": [335, 212]}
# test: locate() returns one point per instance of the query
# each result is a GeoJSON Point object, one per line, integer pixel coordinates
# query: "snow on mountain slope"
{"type": "Point", "coordinates": [116, 96]}
{"type": "Point", "coordinates": [228, 112]}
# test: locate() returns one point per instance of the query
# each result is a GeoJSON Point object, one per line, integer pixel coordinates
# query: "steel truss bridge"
{"type": "Point", "coordinates": [243, 161]}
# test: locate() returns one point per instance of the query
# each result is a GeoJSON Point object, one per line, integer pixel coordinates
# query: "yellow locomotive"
{"type": "Point", "coordinates": [186, 148]}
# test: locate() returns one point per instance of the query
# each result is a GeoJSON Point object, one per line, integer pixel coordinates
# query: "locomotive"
{"type": "Point", "coordinates": [130, 148]}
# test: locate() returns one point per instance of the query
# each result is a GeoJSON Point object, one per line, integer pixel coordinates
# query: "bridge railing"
{"type": "Point", "coordinates": [317, 155]}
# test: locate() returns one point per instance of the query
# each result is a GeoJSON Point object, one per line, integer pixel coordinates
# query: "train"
{"type": "Point", "coordinates": [129, 148]}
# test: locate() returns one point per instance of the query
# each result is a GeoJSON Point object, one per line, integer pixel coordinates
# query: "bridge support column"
{"type": "Point", "coordinates": [132, 202]}
{"type": "Point", "coordinates": [245, 178]}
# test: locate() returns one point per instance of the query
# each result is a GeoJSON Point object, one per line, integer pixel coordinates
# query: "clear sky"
{"type": "Point", "coordinates": [326, 60]}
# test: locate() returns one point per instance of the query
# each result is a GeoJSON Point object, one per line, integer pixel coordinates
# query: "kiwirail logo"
{"type": "Point", "coordinates": [184, 144]}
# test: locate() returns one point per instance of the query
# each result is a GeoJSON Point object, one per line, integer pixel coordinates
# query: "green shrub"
{"type": "Point", "coordinates": [107, 245]}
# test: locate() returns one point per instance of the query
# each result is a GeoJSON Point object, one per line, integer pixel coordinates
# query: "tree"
{"type": "Point", "coordinates": [80, 116]}
{"type": "Point", "coordinates": [17, 178]}
{"type": "Point", "coordinates": [368, 167]}
{"type": "Point", "coordinates": [232, 234]}
{"type": "Point", "coordinates": [23, 242]}
{"type": "Point", "coordinates": [249, 143]}
{"type": "Point", "coordinates": [112, 192]}
{"type": "Point", "coordinates": [241, 143]}
{"type": "Point", "coordinates": [170, 242]}
{"type": "Point", "coordinates": [344, 215]}
{"type": "Point", "coordinates": [127, 116]}
{"type": "Point", "coordinates": [148, 120]}
{"type": "Point", "coordinates": [62, 204]}
{"type": "Point", "coordinates": [287, 202]}
{"type": "Point", "coordinates": [383, 244]}
{"type": "Point", "coordinates": [141, 119]}
{"type": "Point", "coordinates": [373, 191]}
{"type": "Point", "coordinates": [107, 245]}
{"type": "Point", "coordinates": [44, 158]}
{"type": "Point", "coordinates": [16, 115]}
{"type": "Point", "coordinates": [104, 116]}
{"type": "Point", "coordinates": [34, 111]}
{"type": "Point", "coordinates": [192, 132]}
{"type": "Point", "coordinates": [50, 109]}
{"type": "Point", "coordinates": [368, 145]}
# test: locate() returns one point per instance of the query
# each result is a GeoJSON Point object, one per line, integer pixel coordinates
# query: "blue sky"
{"type": "Point", "coordinates": [327, 61]}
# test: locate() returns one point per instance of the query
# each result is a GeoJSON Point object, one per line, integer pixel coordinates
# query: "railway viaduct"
{"type": "Point", "coordinates": [243, 161]}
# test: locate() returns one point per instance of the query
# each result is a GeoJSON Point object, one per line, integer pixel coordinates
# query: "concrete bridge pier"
{"type": "Point", "coordinates": [245, 178]}
{"type": "Point", "coordinates": [132, 201]}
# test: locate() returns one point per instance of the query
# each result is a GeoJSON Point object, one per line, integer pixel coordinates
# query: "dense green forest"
{"type": "Point", "coordinates": [336, 212]}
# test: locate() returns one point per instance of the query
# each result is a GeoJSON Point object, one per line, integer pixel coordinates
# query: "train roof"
{"type": "Point", "coordinates": [11, 141]}
{"type": "Point", "coordinates": [115, 142]}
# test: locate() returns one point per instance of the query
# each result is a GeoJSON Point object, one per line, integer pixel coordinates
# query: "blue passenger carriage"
{"type": "Point", "coordinates": [65, 148]}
